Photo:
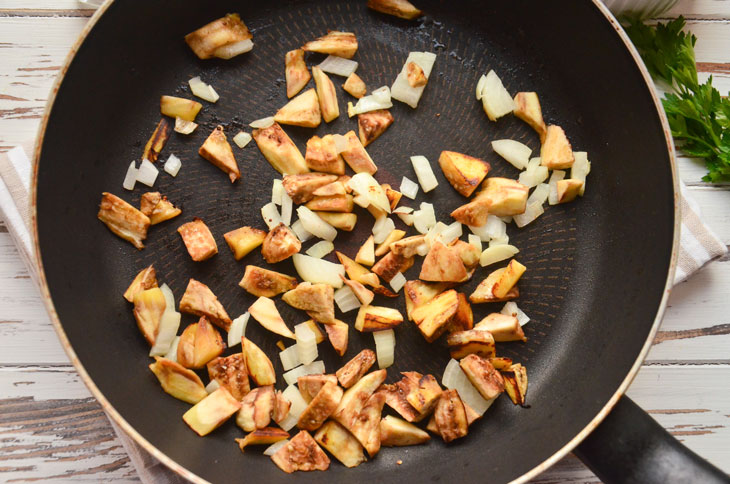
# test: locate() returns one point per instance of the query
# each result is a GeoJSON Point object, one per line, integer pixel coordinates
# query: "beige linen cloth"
{"type": "Point", "coordinates": [699, 245]}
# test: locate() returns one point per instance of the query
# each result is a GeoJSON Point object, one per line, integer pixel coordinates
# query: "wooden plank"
{"type": "Point", "coordinates": [695, 326]}
{"type": "Point", "coordinates": [51, 429]}
{"type": "Point", "coordinates": [688, 401]}
{"type": "Point", "coordinates": [712, 38]}
{"type": "Point", "coordinates": [26, 334]}
{"type": "Point", "coordinates": [29, 70]}
{"type": "Point", "coordinates": [700, 9]}
{"type": "Point", "coordinates": [34, 7]}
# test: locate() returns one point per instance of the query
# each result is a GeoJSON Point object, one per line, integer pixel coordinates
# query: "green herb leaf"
{"type": "Point", "coordinates": [698, 116]}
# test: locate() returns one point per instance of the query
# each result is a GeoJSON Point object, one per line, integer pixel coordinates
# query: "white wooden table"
{"type": "Point", "coordinates": [52, 429]}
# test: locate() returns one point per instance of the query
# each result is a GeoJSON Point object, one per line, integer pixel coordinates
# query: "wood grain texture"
{"type": "Point", "coordinates": [52, 429]}
{"type": "Point", "coordinates": [700, 9]}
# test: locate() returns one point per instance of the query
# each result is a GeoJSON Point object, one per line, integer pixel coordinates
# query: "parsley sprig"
{"type": "Point", "coordinates": [698, 115]}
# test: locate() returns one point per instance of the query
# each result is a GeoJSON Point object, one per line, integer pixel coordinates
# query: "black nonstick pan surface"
{"type": "Point", "coordinates": [597, 268]}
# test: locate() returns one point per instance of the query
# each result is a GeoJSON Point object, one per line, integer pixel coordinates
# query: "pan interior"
{"type": "Point", "coordinates": [596, 268]}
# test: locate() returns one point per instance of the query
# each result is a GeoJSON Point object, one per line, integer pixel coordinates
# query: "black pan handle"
{"type": "Point", "coordinates": [630, 447]}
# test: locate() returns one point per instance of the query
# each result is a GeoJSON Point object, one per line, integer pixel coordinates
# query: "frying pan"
{"type": "Point", "coordinates": [599, 269]}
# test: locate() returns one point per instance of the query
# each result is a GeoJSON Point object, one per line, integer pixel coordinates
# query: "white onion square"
{"type": "Point", "coordinates": [173, 165]}
{"type": "Point", "coordinates": [424, 173]}
{"type": "Point", "coordinates": [384, 347]}
{"type": "Point", "coordinates": [130, 179]}
{"type": "Point", "coordinates": [302, 234]}
{"type": "Point", "coordinates": [242, 139]}
{"type": "Point", "coordinates": [238, 329]}
{"type": "Point", "coordinates": [147, 173]}
{"type": "Point", "coordinates": [270, 214]}
{"type": "Point", "coordinates": [409, 188]}
{"type": "Point", "coordinates": [511, 309]}
{"type": "Point", "coordinates": [346, 300]}
{"type": "Point", "coordinates": [320, 249]}
{"type": "Point", "coordinates": [338, 66]}
{"type": "Point", "coordinates": [398, 282]}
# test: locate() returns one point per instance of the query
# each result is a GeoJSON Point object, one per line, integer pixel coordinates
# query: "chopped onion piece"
{"type": "Point", "coordinates": [202, 90]}
{"type": "Point", "coordinates": [506, 219]}
{"type": "Point", "coordinates": [513, 151]}
{"type": "Point", "coordinates": [481, 232]}
{"type": "Point", "coordinates": [382, 228]}
{"type": "Point", "coordinates": [497, 253]}
{"type": "Point", "coordinates": [169, 324]}
{"type": "Point", "coordinates": [380, 224]}
{"type": "Point", "coordinates": [495, 227]}
{"type": "Point", "coordinates": [316, 225]}
{"type": "Point", "coordinates": [406, 218]}
{"type": "Point", "coordinates": [169, 297]}
{"type": "Point", "coordinates": [262, 123]}
{"type": "Point", "coordinates": [173, 165]}
{"type": "Point", "coordinates": [238, 329]}
{"type": "Point", "coordinates": [409, 188]}
{"type": "Point", "coordinates": [287, 206]}
{"type": "Point", "coordinates": [229, 51]}
{"type": "Point", "coordinates": [398, 282]}
{"type": "Point", "coordinates": [363, 184]}
{"type": "Point", "coordinates": [422, 249]}
{"type": "Point", "coordinates": [425, 218]}
{"type": "Point", "coordinates": [183, 126]}
{"type": "Point", "coordinates": [276, 190]}
{"type": "Point", "coordinates": [212, 386]}
{"type": "Point", "coordinates": [539, 194]}
{"type": "Point", "coordinates": [290, 358]}
{"type": "Point", "coordinates": [242, 139]}
{"type": "Point", "coordinates": [338, 66]}
{"type": "Point", "coordinates": [274, 448]}
{"type": "Point", "coordinates": [475, 240]}
{"type": "Point", "coordinates": [172, 354]}
{"type": "Point", "coordinates": [147, 173]}
{"type": "Point", "coordinates": [298, 404]}
{"type": "Point", "coordinates": [318, 271]}
{"type": "Point", "coordinates": [451, 233]}
{"type": "Point", "coordinates": [403, 209]}
{"type": "Point", "coordinates": [401, 89]}
{"type": "Point", "coordinates": [314, 368]}
{"type": "Point", "coordinates": [553, 184]}
{"type": "Point", "coordinates": [130, 179]}
{"type": "Point", "coordinates": [434, 233]}
{"type": "Point", "coordinates": [361, 201]}
{"type": "Point", "coordinates": [378, 99]}
{"type": "Point", "coordinates": [271, 215]}
{"type": "Point", "coordinates": [511, 309]}
{"type": "Point", "coordinates": [533, 163]}
{"type": "Point", "coordinates": [341, 143]}
{"type": "Point", "coordinates": [531, 213]}
{"type": "Point", "coordinates": [424, 173]}
{"type": "Point", "coordinates": [384, 347]}
{"type": "Point", "coordinates": [302, 234]}
{"type": "Point", "coordinates": [455, 379]}
{"type": "Point", "coordinates": [480, 86]}
{"type": "Point", "coordinates": [346, 299]}
{"type": "Point", "coordinates": [320, 249]}
{"type": "Point", "coordinates": [499, 241]}
{"type": "Point", "coordinates": [532, 177]}
{"type": "Point", "coordinates": [496, 100]}
{"type": "Point", "coordinates": [580, 169]}
{"type": "Point", "coordinates": [306, 343]}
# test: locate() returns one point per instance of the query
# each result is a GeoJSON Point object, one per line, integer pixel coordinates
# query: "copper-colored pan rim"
{"type": "Point", "coordinates": [182, 471]}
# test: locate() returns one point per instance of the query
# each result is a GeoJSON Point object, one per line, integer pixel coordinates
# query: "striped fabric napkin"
{"type": "Point", "coordinates": [699, 245]}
